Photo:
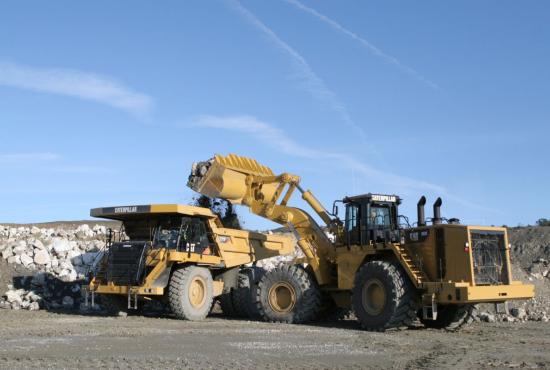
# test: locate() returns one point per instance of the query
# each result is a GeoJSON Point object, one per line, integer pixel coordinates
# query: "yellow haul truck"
{"type": "Point", "coordinates": [179, 254]}
{"type": "Point", "coordinates": [374, 262]}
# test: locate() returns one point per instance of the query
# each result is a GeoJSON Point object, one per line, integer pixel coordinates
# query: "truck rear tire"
{"type": "Point", "coordinates": [451, 317]}
{"type": "Point", "coordinates": [190, 293]}
{"type": "Point", "coordinates": [226, 303]}
{"type": "Point", "coordinates": [244, 297]}
{"type": "Point", "coordinates": [288, 294]}
{"type": "Point", "coordinates": [383, 297]}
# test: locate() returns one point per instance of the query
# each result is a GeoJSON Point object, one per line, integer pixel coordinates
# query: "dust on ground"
{"type": "Point", "coordinates": [45, 340]}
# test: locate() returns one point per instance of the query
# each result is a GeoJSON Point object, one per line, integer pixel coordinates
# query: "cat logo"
{"type": "Point", "coordinates": [132, 209]}
{"type": "Point", "coordinates": [384, 198]}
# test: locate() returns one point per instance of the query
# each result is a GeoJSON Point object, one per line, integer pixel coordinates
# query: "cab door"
{"type": "Point", "coordinates": [353, 224]}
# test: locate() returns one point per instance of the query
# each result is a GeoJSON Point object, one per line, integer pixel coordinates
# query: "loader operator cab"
{"type": "Point", "coordinates": [371, 218]}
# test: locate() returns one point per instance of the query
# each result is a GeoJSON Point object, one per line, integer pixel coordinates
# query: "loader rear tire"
{"type": "Point", "coordinates": [288, 294]}
{"type": "Point", "coordinates": [451, 317]}
{"type": "Point", "coordinates": [383, 297]}
{"type": "Point", "coordinates": [190, 293]}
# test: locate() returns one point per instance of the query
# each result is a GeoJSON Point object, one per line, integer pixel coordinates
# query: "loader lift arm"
{"type": "Point", "coordinates": [244, 181]}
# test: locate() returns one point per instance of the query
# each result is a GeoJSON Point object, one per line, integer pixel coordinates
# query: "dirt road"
{"type": "Point", "coordinates": [48, 340]}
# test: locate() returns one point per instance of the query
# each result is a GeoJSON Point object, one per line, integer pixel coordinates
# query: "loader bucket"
{"type": "Point", "coordinates": [226, 177]}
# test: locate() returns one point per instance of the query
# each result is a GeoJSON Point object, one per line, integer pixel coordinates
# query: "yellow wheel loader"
{"type": "Point", "coordinates": [374, 262]}
{"type": "Point", "coordinates": [181, 255]}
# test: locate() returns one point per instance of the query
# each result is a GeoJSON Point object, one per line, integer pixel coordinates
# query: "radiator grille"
{"type": "Point", "coordinates": [126, 263]}
{"type": "Point", "coordinates": [489, 257]}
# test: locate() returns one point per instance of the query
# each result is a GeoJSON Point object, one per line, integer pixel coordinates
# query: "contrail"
{"type": "Point", "coordinates": [372, 48]}
{"type": "Point", "coordinates": [314, 84]}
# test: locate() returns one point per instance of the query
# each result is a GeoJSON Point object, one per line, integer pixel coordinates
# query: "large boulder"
{"type": "Point", "coordinates": [14, 296]}
{"type": "Point", "coordinates": [14, 259]}
{"type": "Point", "coordinates": [26, 260]}
{"type": "Point", "coordinates": [7, 252]}
{"type": "Point", "coordinates": [61, 246]}
{"type": "Point", "coordinates": [42, 257]}
{"type": "Point", "coordinates": [37, 244]}
{"type": "Point", "coordinates": [20, 247]}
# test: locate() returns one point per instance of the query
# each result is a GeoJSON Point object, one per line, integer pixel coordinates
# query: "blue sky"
{"type": "Point", "coordinates": [109, 103]}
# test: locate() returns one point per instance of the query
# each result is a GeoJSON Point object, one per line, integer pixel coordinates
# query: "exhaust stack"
{"type": "Point", "coordinates": [420, 211]}
{"type": "Point", "coordinates": [437, 211]}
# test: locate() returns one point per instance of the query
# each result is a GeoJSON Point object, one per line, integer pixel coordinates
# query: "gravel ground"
{"type": "Point", "coordinates": [45, 340]}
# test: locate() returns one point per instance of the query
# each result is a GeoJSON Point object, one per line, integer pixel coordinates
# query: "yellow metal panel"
{"type": "Point", "coordinates": [239, 247]}
{"type": "Point", "coordinates": [458, 261]}
{"type": "Point", "coordinates": [217, 288]}
{"type": "Point", "coordinates": [500, 292]}
{"type": "Point", "coordinates": [182, 209]}
{"type": "Point", "coordinates": [465, 293]}
{"type": "Point", "coordinates": [184, 257]}
{"type": "Point", "coordinates": [348, 263]}
{"type": "Point", "coordinates": [123, 290]}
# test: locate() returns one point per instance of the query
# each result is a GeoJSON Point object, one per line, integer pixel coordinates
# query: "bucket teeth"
{"type": "Point", "coordinates": [243, 164]}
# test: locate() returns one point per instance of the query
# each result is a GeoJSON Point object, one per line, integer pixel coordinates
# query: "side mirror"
{"type": "Point", "coordinates": [335, 209]}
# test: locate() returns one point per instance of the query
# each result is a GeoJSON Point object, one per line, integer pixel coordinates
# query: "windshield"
{"type": "Point", "coordinates": [380, 216]}
{"type": "Point", "coordinates": [167, 237]}
{"type": "Point", "coordinates": [184, 234]}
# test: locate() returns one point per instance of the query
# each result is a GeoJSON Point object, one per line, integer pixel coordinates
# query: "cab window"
{"type": "Point", "coordinates": [352, 215]}
{"type": "Point", "coordinates": [379, 217]}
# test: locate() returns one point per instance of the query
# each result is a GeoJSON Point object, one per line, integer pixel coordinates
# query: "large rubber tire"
{"type": "Point", "coordinates": [226, 303]}
{"type": "Point", "coordinates": [244, 297]}
{"type": "Point", "coordinates": [190, 293]}
{"type": "Point", "coordinates": [288, 294]}
{"type": "Point", "coordinates": [383, 297]}
{"type": "Point", "coordinates": [451, 317]}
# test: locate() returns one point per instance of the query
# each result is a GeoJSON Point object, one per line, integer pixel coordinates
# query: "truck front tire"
{"type": "Point", "coordinates": [190, 293]}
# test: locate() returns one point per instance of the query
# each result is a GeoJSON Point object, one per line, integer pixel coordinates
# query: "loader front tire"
{"type": "Point", "coordinates": [383, 297]}
{"type": "Point", "coordinates": [451, 317]}
{"type": "Point", "coordinates": [190, 293]}
{"type": "Point", "coordinates": [288, 294]}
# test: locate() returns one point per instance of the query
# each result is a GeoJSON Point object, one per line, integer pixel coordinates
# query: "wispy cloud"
{"type": "Point", "coordinates": [278, 140]}
{"type": "Point", "coordinates": [368, 45]}
{"type": "Point", "coordinates": [18, 158]}
{"type": "Point", "coordinates": [78, 84]}
{"type": "Point", "coordinates": [268, 134]}
{"type": "Point", "coordinates": [311, 81]}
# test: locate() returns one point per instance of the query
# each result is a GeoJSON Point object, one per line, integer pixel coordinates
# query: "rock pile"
{"type": "Point", "coordinates": [59, 258]}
